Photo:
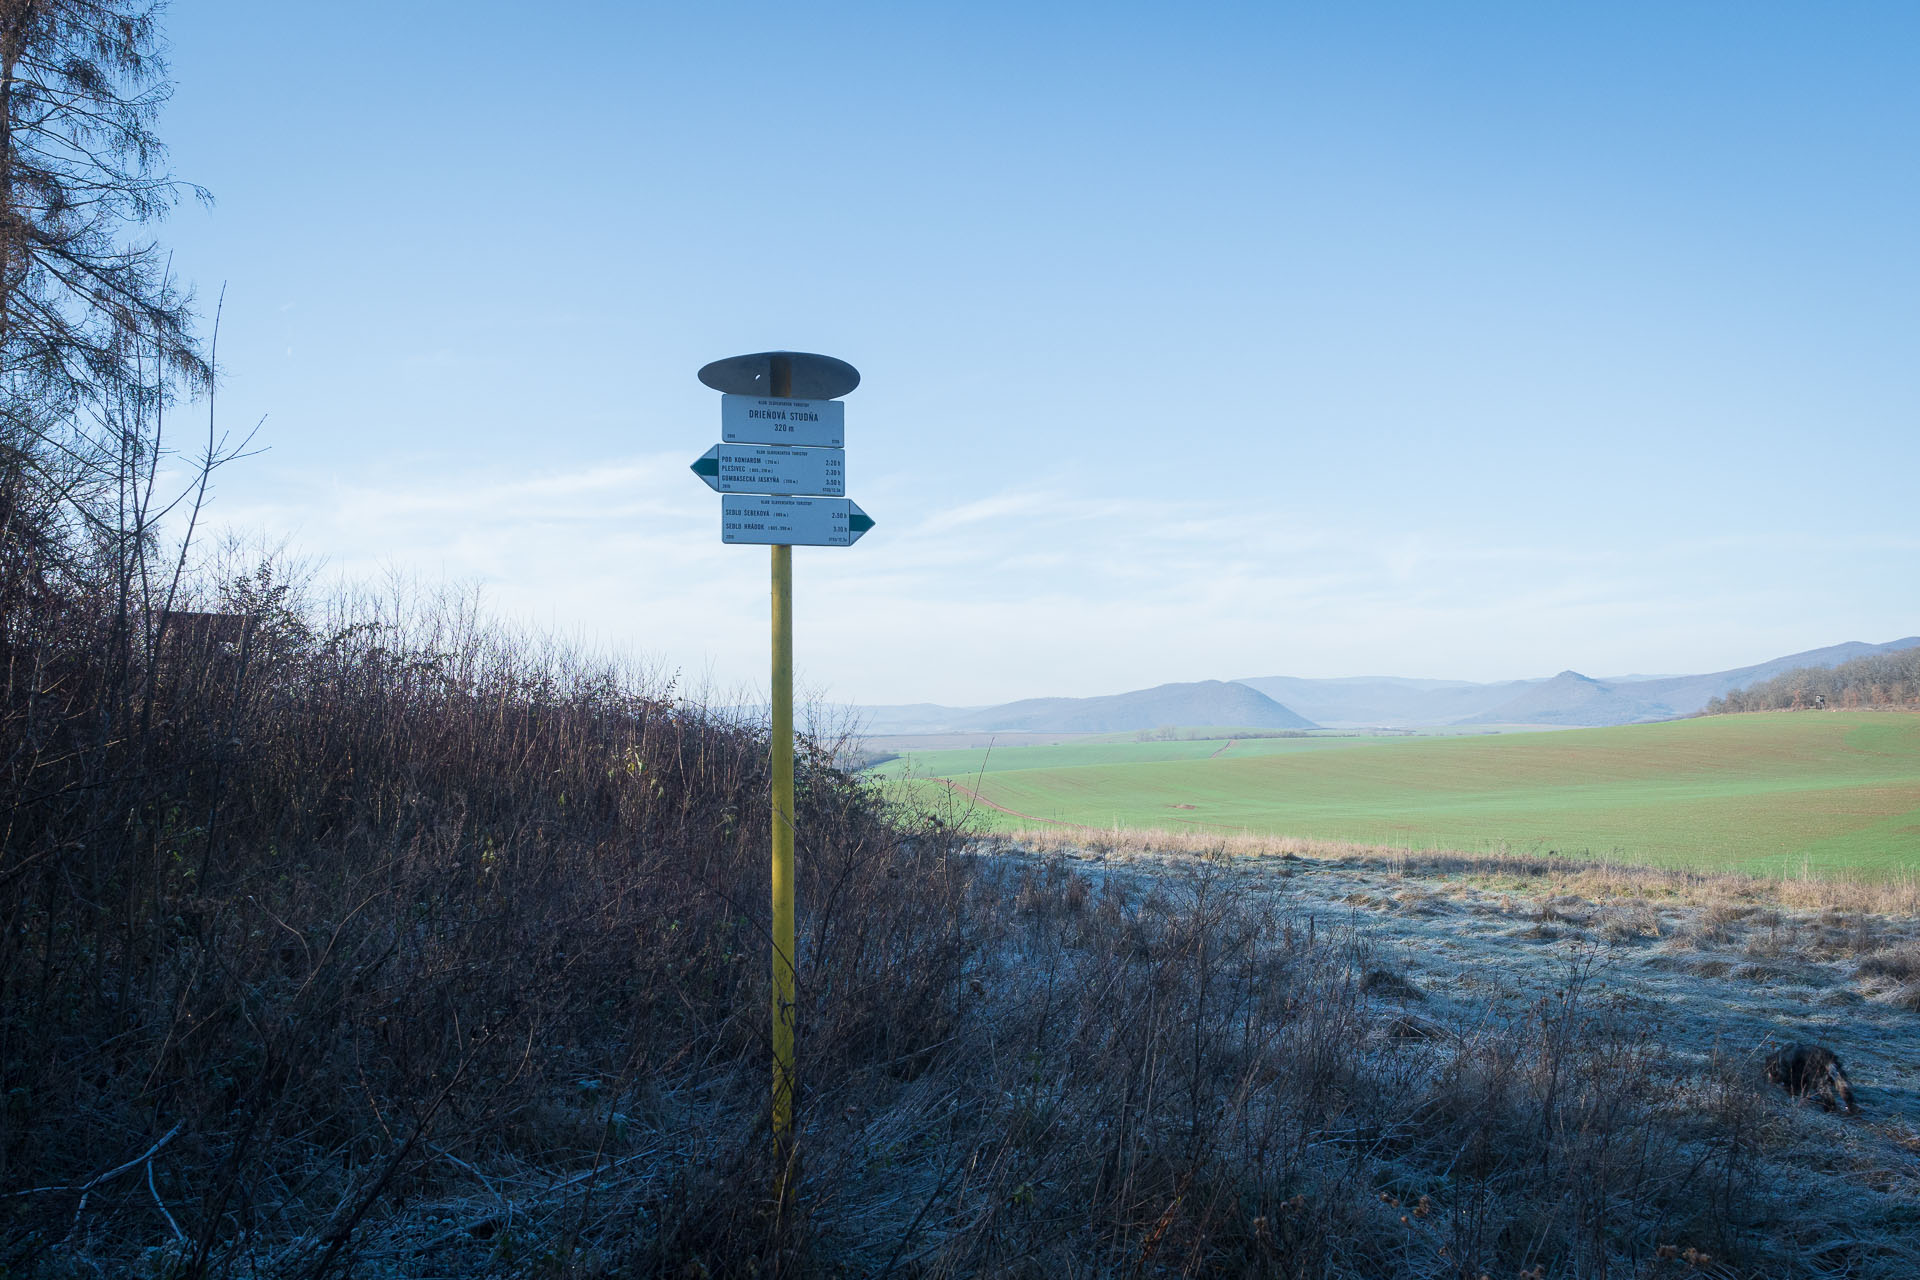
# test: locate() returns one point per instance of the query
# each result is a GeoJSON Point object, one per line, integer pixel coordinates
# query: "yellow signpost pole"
{"type": "Point", "coordinates": [781, 470]}
{"type": "Point", "coordinates": [783, 973]}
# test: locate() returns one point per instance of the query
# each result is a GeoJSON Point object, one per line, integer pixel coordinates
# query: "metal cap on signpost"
{"type": "Point", "coordinates": [782, 470]}
{"type": "Point", "coordinates": [798, 374]}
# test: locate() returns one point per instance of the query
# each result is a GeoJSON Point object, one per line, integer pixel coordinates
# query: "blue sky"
{"type": "Point", "coordinates": [1199, 341]}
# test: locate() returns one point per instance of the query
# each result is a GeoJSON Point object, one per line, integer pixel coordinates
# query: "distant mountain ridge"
{"type": "Point", "coordinates": [1572, 699]}
{"type": "Point", "coordinates": [1567, 699]}
{"type": "Point", "coordinates": [1200, 702]}
{"type": "Point", "coordinates": [1388, 702]}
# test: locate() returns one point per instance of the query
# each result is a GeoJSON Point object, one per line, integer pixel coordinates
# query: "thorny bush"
{"type": "Point", "coordinates": [327, 911]}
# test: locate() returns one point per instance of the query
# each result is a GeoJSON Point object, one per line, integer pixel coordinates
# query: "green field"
{"type": "Point", "coordinates": [1772, 792]}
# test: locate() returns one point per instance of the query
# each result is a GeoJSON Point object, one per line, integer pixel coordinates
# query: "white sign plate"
{"type": "Point", "coordinates": [769, 468]}
{"type": "Point", "coordinates": [818, 424]}
{"type": "Point", "coordinates": [793, 522]}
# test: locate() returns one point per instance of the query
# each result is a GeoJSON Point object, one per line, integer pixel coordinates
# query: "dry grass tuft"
{"type": "Point", "coordinates": [1631, 920]}
{"type": "Point", "coordinates": [1901, 964]}
{"type": "Point", "coordinates": [1389, 985]}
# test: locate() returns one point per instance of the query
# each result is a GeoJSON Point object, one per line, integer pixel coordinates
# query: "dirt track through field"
{"type": "Point", "coordinates": [963, 789]}
{"type": "Point", "coordinates": [1222, 751]}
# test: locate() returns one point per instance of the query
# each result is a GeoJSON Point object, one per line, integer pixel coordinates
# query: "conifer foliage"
{"type": "Point", "coordinates": [87, 314]}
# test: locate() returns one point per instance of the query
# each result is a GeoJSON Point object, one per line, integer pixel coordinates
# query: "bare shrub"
{"type": "Point", "coordinates": [1051, 890]}
{"type": "Point", "coordinates": [371, 905]}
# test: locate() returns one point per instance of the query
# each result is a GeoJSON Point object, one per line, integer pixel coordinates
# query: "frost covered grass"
{"type": "Point", "coordinates": [1713, 971]}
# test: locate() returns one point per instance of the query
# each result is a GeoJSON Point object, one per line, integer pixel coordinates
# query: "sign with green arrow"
{"type": "Point", "coordinates": [792, 522]}
{"type": "Point", "coordinates": [767, 468]}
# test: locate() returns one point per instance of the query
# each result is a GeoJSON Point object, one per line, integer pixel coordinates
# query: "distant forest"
{"type": "Point", "coordinates": [1878, 680]}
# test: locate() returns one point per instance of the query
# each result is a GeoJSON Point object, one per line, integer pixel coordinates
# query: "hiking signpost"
{"type": "Point", "coordinates": [780, 469]}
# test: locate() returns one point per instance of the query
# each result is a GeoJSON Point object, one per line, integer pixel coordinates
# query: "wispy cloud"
{"type": "Point", "coordinates": [1019, 592]}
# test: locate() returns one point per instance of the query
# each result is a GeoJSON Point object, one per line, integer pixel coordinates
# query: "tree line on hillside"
{"type": "Point", "coordinates": [1877, 680]}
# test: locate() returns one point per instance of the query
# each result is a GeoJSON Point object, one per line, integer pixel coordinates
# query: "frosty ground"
{"type": "Point", "coordinates": [1715, 971]}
